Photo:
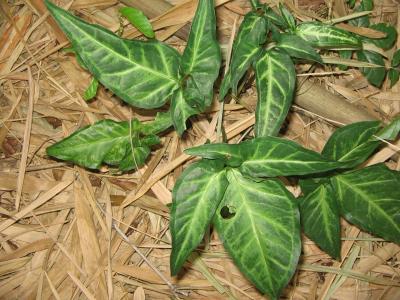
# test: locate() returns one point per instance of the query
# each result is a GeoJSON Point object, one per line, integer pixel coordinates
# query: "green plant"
{"type": "Point", "coordinates": [233, 186]}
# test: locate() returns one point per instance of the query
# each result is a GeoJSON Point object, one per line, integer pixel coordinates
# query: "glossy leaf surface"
{"type": "Point", "coordinates": [320, 219]}
{"type": "Point", "coordinates": [201, 59]}
{"type": "Point", "coordinates": [376, 75]}
{"type": "Point", "coordinates": [297, 47]}
{"type": "Point", "coordinates": [370, 199]}
{"type": "Point", "coordinates": [196, 196]}
{"type": "Point", "coordinates": [322, 35]}
{"type": "Point", "coordinates": [271, 156]}
{"type": "Point", "coordinates": [138, 19]}
{"type": "Point", "coordinates": [353, 143]}
{"type": "Point", "coordinates": [246, 48]}
{"type": "Point", "coordinates": [143, 74]}
{"type": "Point", "coordinates": [105, 142]}
{"type": "Point", "coordinates": [275, 81]}
{"type": "Point", "coordinates": [258, 223]}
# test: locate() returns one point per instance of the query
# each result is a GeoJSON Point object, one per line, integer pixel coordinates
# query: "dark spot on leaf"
{"type": "Point", "coordinates": [228, 212]}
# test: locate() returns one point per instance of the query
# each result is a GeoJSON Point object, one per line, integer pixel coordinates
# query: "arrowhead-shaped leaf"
{"type": "Point", "coordinates": [258, 223]}
{"type": "Point", "coordinates": [353, 143]}
{"type": "Point", "coordinates": [196, 196]}
{"type": "Point", "coordinates": [322, 35]}
{"type": "Point", "coordinates": [320, 219]}
{"type": "Point", "coordinates": [247, 46]}
{"type": "Point", "coordinates": [287, 17]}
{"type": "Point", "coordinates": [181, 110]}
{"type": "Point", "coordinates": [201, 59]}
{"type": "Point", "coordinates": [143, 74]}
{"type": "Point", "coordinates": [275, 81]}
{"type": "Point", "coordinates": [106, 142]}
{"type": "Point", "coordinates": [272, 156]}
{"type": "Point", "coordinates": [298, 48]}
{"type": "Point", "coordinates": [138, 19]}
{"type": "Point", "coordinates": [370, 199]}
{"type": "Point", "coordinates": [376, 75]}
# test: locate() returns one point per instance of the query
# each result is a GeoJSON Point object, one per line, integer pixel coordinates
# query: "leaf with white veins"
{"type": "Point", "coordinates": [181, 110]}
{"type": "Point", "coordinates": [297, 47]}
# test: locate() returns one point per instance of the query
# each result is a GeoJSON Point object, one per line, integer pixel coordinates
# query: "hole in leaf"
{"type": "Point", "coordinates": [227, 212]}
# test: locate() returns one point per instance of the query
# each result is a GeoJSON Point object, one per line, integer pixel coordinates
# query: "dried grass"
{"type": "Point", "coordinates": [58, 236]}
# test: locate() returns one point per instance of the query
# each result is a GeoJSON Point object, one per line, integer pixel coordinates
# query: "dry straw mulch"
{"type": "Point", "coordinates": [56, 226]}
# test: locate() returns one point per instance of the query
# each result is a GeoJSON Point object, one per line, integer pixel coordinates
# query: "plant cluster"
{"type": "Point", "coordinates": [235, 187]}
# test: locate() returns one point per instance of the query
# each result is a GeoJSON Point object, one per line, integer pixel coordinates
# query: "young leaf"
{"type": "Point", "coordinates": [297, 47]}
{"type": "Point", "coordinates": [275, 81]}
{"type": "Point", "coordinates": [138, 19]}
{"type": "Point", "coordinates": [326, 36]}
{"type": "Point", "coordinates": [391, 36]}
{"type": "Point", "coordinates": [320, 219]}
{"type": "Point", "coordinates": [181, 110]}
{"type": "Point", "coordinates": [352, 143]}
{"type": "Point", "coordinates": [196, 195]}
{"type": "Point", "coordinates": [247, 46]}
{"type": "Point", "coordinates": [228, 153]}
{"type": "Point", "coordinates": [287, 17]}
{"type": "Point", "coordinates": [370, 199]}
{"type": "Point", "coordinates": [91, 91]}
{"type": "Point", "coordinates": [258, 223]}
{"type": "Point", "coordinates": [143, 74]}
{"type": "Point", "coordinates": [201, 59]}
{"type": "Point", "coordinates": [106, 142]}
{"type": "Point", "coordinates": [272, 156]}
{"type": "Point", "coordinates": [375, 76]}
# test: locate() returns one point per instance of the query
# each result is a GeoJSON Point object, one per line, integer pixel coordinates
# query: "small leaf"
{"type": "Point", "coordinates": [375, 76]}
{"type": "Point", "coordinates": [275, 81]}
{"type": "Point", "coordinates": [246, 48]}
{"type": "Point", "coordinates": [326, 36]}
{"type": "Point", "coordinates": [391, 36]}
{"type": "Point", "coordinates": [298, 48]}
{"type": "Point", "coordinates": [394, 76]}
{"type": "Point", "coordinates": [138, 20]}
{"type": "Point", "coordinates": [320, 219]}
{"type": "Point", "coordinates": [287, 17]}
{"type": "Point", "coordinates": [273, 17]}
{"type": "Point", "coordinates": [258, 223]}
{"type": "Point", "coordinates": [196, 195]}
{"type": "Point", "coordinates": [106, 142]}
{"type": "Point", "coordinates": [202, 56]}
{"type": "Point", "coordinates": [91, 91]}
{"type": "Point", "coordinates": [272, 156]}
{"type": "Point", "coordinates": [396, 59]}
{"type": "Point", "coordinates": [370, 199]}
{"type": "Point", "coordinates": [228, 153]}
{"type": "Point", "coordinates": [353, 143]}
{"type": "Point", "coordinates": [391, 131]}
{"type": "Point", "coordinates": [181, 110]}
{"type": "Point", "coordinates": [143, 74]}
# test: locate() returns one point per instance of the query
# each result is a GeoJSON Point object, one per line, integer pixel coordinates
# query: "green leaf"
{"type": "Point", "coordinates": [258, 223]}
{"type": "Point", "coordinates": [273, 17]}
{"type": "Point", "coordinates": [201, 59]}
{"type": "Point", "coordinates": [107, 142]}
{"type": "Point", "coordinates": [309, 184]}
{"type": "Point", "coordinates": [391, 131]}
{"type": "Point", "coordinates": [346, 54]}
{"type": "Point", "coordinates": [297, 47]}
{"type": "Point", "coordinates": [161, 122]}
{"type": "Point", "coordinates": [365, 5]}
{"type": "Point", "coordinates": [143, 74]}
{"type": "Point", "coordinates": [228, 153]}
{"type": "Point", "coordinates": [391, 36]}
{"type": "Point", "coordinates": [351, 3]}
{"type": "Point", "coordinates": [181, 110]}
{"type": "Point", "coordinates": [138, 19]}
{"type": "Point", "coordinates": [272, 156]}
{"type": "Point", "coordinates": [287, 17]}
{"type": "Point", "coordinates": [370, 199]}
{"type": "Point", "coordinates": [246, 48]}
{"type": "Point", "coordinates": [375, 76]}
{"type": "Point", "coordinates": [255, 4]}
{"type": "Point", "coordinates": [394, 76]}
{"type": "Point", "coordinates": [91, 91]}
{"type": "Point", "coordinates": [353, 143]}
{"type": "Point", "coordinates": [320, 219]}
{"type": "Point", "coordinates": [196, 196]}
{"type": "Point", "coordinates": [275, 81]}
{"type": "Point", "coordinates": [326, 36]}
{"type": "Point", "coordinates": [396, 59]}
